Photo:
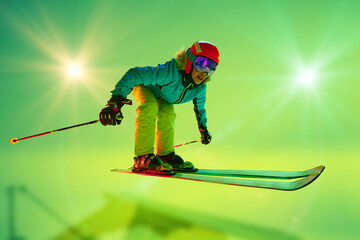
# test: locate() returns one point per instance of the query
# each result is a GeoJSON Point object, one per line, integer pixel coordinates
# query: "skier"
{"type": "Point", "coordinates": [156, 90]}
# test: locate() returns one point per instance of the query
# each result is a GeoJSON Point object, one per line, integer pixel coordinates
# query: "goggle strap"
{"type": "Point", "coordinates": [190, 55]}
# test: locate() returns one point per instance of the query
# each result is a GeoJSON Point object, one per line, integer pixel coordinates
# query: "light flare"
{"type": "Point", "coordinates": [74, 70]}
{"type": "Point", "coordinates": [307, 77]}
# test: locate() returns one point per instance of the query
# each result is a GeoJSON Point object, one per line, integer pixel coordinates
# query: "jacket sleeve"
{"type": "Point", "coordinates": [199, 108]}
{"type": "Point", "coordinates": [159, 75]}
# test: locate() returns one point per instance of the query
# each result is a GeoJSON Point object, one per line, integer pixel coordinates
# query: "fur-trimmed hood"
{"type": "Point", "coordinates": [181, 59]}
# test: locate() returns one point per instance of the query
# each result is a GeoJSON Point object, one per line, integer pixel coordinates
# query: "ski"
{"type": "Point", "coordinates": [259, 173]}
{"type": "Point", "coordinates": [276, 184]}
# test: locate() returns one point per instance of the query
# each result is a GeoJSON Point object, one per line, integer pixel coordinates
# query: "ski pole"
{"type": "Point", "coordinates": [188, 143]}
{"type": "Point", "coordinates": [15, 140]}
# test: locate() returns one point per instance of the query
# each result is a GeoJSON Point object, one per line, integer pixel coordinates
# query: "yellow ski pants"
{"type": "Point", "coordinates": [155, 121]}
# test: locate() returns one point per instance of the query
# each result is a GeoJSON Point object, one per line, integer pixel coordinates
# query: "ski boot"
{"type": "Point", "coordinates": [177, 163]}
{"type": "Point", "coordinates": [150, 163]}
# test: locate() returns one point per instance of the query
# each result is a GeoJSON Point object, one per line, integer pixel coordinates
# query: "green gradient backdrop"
{"type": "Point", "coordinates": [259, 116]}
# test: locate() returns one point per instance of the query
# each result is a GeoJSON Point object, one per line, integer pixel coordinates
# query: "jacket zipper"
{"type": "Point", "coordinates": [183, 93]}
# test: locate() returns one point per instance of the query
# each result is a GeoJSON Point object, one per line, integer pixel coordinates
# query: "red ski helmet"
{"type": "Point", "coordinates": [201, 48]}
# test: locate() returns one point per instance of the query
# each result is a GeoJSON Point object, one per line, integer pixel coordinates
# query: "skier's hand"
{"type": "Point", "coordinates": [111, 113]}
{"type": "Point", "coordinates": [205, 135]}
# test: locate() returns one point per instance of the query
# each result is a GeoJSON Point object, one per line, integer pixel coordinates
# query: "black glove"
{"type": "Point", "coordinates": [205, 135]}
{"type": "Point", "coordinates": [111, 113]}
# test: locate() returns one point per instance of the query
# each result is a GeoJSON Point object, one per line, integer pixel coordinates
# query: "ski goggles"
{"type": "Point", "coordinates": [203, 64]}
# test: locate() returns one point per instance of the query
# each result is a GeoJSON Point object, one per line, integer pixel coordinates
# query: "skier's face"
{"type": "Point", "coordinates": [197, 76]}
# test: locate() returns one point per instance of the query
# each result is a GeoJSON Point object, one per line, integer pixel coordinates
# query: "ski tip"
{"type": "Point", "coordinates": [121, 170]}
{"type": "Point", "coordinates": [320, 168]}
{"type": "Point", "coordinates": [309, 179]}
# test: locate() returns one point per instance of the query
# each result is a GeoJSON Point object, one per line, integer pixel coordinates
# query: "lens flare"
{"type": "Point", "coordinates": [74, 70]}
{"type": "Point", "coordinates": [307, 77]}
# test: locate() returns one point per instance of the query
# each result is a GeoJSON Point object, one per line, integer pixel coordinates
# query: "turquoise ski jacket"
{"type": "Point", "coordinates": [167, 82]}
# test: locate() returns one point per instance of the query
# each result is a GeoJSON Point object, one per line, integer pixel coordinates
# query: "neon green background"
{"type": "Point", "coordinates": [259, 116]}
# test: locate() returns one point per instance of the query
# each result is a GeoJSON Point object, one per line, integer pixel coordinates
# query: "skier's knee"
{"type": "Point", "coordinates": [149, 108]}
